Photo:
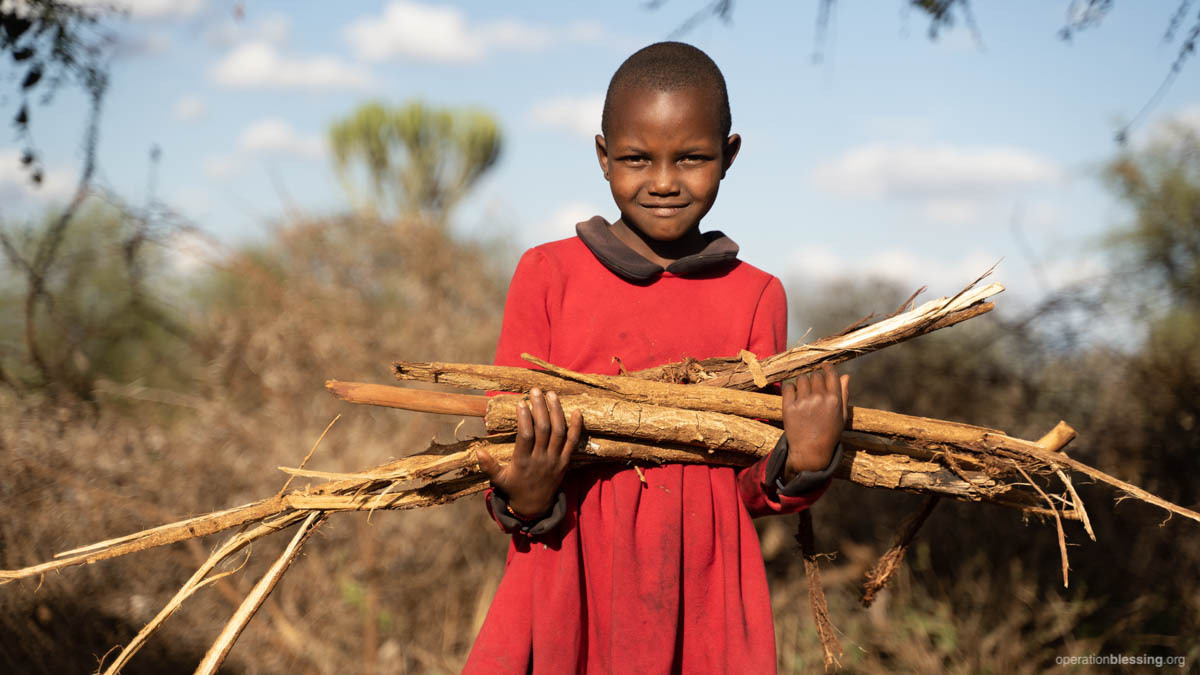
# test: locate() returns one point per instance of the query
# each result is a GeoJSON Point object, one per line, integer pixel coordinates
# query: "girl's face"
{"type": "Point", "coordinates": [664, 159]}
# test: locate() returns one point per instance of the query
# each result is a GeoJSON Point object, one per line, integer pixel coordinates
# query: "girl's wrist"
{"type": "Point", "coordinates": [527, 512]}
{"type": "Point", "coordinates": [801, 459]}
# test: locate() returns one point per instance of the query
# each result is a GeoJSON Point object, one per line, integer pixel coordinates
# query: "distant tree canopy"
{"type": "Point", "coordinates": [91, 309]}
{"type": "Point", "coordinates": [417, 159]}
{"type": "Point", "coordinates": [1161, 183]}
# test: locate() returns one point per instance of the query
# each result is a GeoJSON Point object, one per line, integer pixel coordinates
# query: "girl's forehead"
{"type": "Point", "coordinates": [636, 111]}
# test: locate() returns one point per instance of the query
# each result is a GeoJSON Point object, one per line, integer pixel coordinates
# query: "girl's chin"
{"type": "Point", "coordinates": [662, 232]}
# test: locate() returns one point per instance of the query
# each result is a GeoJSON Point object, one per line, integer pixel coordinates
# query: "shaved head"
{"type": "Point", "coordinates": [669, 66]}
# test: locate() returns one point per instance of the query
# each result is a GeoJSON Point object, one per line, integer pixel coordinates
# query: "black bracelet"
{"type": "Point", "coordinates": [801, 483]}
{"type": "Point", "coordinates": [511, 520]}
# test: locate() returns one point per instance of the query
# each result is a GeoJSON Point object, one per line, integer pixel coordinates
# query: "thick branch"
{"type": "Point", "coordinates": [714, 431]}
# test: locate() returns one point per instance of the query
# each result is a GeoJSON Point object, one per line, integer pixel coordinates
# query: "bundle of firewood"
{"type": "Point", "coordinates": [711, 411]}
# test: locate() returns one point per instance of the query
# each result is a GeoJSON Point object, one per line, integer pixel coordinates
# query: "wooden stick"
{"type": "Point", "coordinates": [195, 583]}
{"type": "Point", "coordinates": [154, 537]}
{"type": "Point", "coordinates": [734, 373]}
{"type": "Point", "coordinates": [731, 372]}
{"type": "Point", "coordinates": [883, 423]}
{"type": "Point", "coordinates": [249, 607]}
{"type": "Point", "coordinates": [690, 397]}
{"type": "Point", "coordinates": [1078, 503]}
{"type": "Point", "coordinates": [877, 578]}
{"type": "Point", "coordinates": [1062, 537]}
{"type": "Point", "coordinates": [714, 431]}
{"type": "Point", "coordinates": [409, 399]}
{"type": "Point", "coordinates": [1053, 460]}
{"type": "Point", "coordinates": [831, 649]}
{"type": "Point", "coordinates": [1057, 438]}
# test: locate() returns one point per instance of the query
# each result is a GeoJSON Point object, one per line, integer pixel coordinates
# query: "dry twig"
{"type": "Point", "coordinates": [830, 647]}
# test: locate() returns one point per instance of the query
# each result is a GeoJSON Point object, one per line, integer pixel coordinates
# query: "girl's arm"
{"type": "Point", "coordinates": [789, 481]}
{"type": "Point", "coordinates": [524, 496]}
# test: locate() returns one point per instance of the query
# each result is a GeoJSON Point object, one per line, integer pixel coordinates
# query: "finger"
{"type": "Point", "coordinates": [541, 421]}
{"type": "Point", "coordinates": [817, 380]}
{"type": "Point", "coordinates": [558, 422]}
{"type": "Point", "coordinates": [803, 385]}
{"type": "Point", "coordinates": [789, 394]}
{"type": "Point", "coordinates": [524, 433]}
{"type": "Point", "coordinates": [488, 464]}
{"type": "Point", "coordinates": [846, 398]}
{"type": "Point", "coordinates": [574, 433]}
{"type": "Point", "coordinates": [829, 374]}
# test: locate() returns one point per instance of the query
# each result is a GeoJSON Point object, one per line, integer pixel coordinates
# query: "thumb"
{"type": "Point", "coordinates": [487, 464]}
{"type": "Point", "coordinates": [846, 398]}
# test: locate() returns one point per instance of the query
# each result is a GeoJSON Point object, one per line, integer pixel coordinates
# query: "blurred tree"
{"type": "Point", "coordinates": [49, 43]}
{"type": "Point", "coordinates": [418, 159]}
{"type": "Point", "coordinates": [86, 311]}
{"type": "Point", "coordinates": [1161, 183]}
{"type": "Point", "coordinates": [1160, 253]}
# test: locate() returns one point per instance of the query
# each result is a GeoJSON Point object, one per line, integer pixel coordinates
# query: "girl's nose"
{"type": "Point", "coordinates": [664, 180]}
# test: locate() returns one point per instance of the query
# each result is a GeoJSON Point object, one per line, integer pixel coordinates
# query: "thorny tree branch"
{"type": "Point", "coordinates": [1081, 15]}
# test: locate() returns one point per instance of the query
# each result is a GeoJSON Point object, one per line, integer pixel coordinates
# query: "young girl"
{"type": "Point", "coordinates": [608, 573]}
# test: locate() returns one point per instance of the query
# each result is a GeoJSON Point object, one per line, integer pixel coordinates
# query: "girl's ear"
{"type": "Point", "coordinates": [732, 145]}
{"type": "Point", "coordinates": [602, 154]}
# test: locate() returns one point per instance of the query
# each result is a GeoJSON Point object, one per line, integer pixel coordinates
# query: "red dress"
{"type": "Point", "coordinates": [664, 576]}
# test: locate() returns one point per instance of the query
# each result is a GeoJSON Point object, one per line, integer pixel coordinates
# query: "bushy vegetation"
{"type": "Point", "coordinates": [149, 416]}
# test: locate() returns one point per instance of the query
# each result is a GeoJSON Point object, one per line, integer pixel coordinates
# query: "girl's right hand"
{"type": "Point", "coordinates": [540, 459]}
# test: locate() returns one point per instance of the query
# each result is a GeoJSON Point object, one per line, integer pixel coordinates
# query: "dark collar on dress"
{"type": "Point", "coordinates": [718, 253]}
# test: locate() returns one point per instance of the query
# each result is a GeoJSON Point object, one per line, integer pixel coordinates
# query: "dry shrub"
{"type": "Point", "coordinates": [393, 592]}
{"type": "Point", "coordinates": [405, 592]}
{"type": "Point", "coordinates": [981, 590]}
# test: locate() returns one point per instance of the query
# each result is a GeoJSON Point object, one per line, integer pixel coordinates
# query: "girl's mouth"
{"type": "Point", "coordinates": [664, 210]}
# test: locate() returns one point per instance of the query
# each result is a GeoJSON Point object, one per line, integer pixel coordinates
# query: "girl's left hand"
{"type": "Point", "coordinates": [815, 410]}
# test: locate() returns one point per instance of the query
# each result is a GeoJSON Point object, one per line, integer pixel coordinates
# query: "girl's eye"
{"type": "Point", "coordinates": [634, 160]}
{"type": "Point", "coordinates": [693, 159]}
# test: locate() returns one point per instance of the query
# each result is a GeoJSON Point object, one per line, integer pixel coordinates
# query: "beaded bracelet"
{"type": "Point", "coordinates": [525, 519]}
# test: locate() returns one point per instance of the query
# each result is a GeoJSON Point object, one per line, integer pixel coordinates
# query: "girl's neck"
{"type": "Point", "coordinates": [661, 253]}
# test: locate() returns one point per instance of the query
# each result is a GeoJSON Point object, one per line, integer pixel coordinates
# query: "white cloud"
{"type": "Point", "coordinates": [561, 222]}
{"type": "Point", "coordinates": [434, 33]}
{"type": "Point", "coordinates": [275, 136]}
{"type": "Point", "coordinates": [910, 171]}
{"type": "Point", "coordinates": [58, 183]}
{"type": "Point", "coordinates": [146, 9]}
{"type": "Point", "coordinates": [269, 136]}
{"type": "Point", "coordinates": [579, 115]}
{"type": "Point", "coordinates": [901, 265]}
{"type": "Point", "coordinates": [513, 34]}
{"type": "Point", "coordinates": [189, 109]}
{"type": "Point", "coordinates": [259, 64]}
{"type": "Point", "coordinates": [951, 211]}
{"type": "Point", "coordinates": [220, 167]}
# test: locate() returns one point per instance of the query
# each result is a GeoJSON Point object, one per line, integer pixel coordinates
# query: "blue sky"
{"type": "Point", "coordinates": [896, 156]}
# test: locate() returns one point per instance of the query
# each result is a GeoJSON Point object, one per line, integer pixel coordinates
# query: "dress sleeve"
{"type": "Point", "coordinates": [768, 328]}
{"type": "Point", "coordinates": [768, 336]}
{"type": "Point", "coordinates": [526, 324]}
{"type": "Point", "coordinates": [525, 329]}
